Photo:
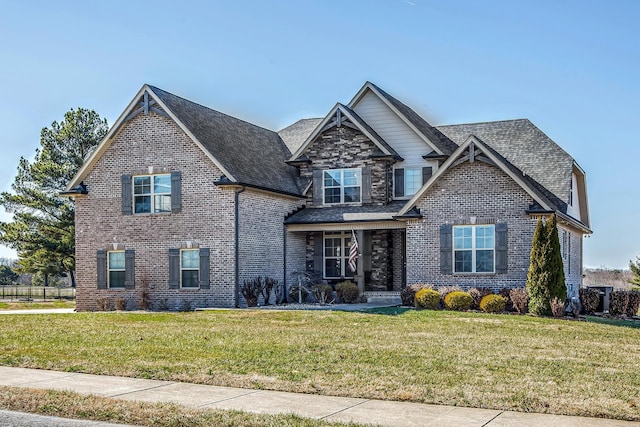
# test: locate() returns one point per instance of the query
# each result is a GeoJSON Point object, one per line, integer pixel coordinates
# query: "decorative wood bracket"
{"type": "Point", "coordinates": [146, 104]}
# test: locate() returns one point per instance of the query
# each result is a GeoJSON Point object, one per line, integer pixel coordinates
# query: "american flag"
{"type": "Point", "coordinates": [353, 252]}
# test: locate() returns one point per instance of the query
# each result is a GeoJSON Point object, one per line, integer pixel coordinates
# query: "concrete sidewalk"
{"type": "Point", "coordinates": [329, 408]}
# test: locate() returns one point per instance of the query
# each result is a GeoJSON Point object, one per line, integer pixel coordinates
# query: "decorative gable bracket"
{"type": "Point", "coordinates": [339, 120]}
{"type": "Point", "coordinates": [146, 104]}
{"type": "Point", "coordinates": [471, 154]}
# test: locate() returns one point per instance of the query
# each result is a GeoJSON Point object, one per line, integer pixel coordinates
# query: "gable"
{"type": "Point", "coordinates": [404, 140]}
{"type": "Point", "coordinates": [341, 117]}
{"type": "Point", "coordinates": [525, 146]}
{"type": "Point", "coordinates": [245, 153]}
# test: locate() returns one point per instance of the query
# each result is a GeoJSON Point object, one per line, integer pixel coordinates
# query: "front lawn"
{"type": "Point", "coordinates": [30, 305]}
{"type": "Point", "coordinates": [508, 362]}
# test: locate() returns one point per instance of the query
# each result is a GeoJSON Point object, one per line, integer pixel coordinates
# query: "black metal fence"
{"type": "Point", "coordinates": [40, 293]}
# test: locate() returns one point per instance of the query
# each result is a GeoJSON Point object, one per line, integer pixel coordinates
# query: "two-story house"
{"type": "Point", "coordinates": [187, 202]}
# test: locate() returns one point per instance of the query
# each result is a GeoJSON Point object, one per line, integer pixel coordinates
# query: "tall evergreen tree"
{"type": "Point", "coordinates": [553, 260]}
{"type": "Point", "coordinates": [545, 279]}
{"type": "Point", "coordinates": [635, 269]}
{"type": "Point", "coordinates": [538, 293]}
{"type": "Point", "coordinates": [42, 230]}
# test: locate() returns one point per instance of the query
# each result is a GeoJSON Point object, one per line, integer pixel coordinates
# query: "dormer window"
{"type": "Point", "coordinates": [342, 186]}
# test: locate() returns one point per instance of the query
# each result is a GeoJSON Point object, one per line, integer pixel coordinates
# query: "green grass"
{"type": "Point", "coordinates": [73, 405]}
{"type": "Point", "coordinates": [20, 305]}
{"type": "Point", "coordinates": [614, 322]}
{"type": "Point", "coordinates": [510, 362]}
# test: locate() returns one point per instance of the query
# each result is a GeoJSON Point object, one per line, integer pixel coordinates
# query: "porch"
{"type": "Point", "coordinates": [380, 264]}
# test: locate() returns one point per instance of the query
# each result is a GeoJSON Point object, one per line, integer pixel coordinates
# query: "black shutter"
{"type": "Point", "coordinates": [317, 187]}
{"type": "Point", "coordinates": [129, 269]}
{"type": "Point", "coordinates": [318, 249]}
{"type": "Point", "coordinates": [101, 260]}
{"type": "Point", "coordinates": [501, 247]}
{"type": "Point", "coordinates": [204, 268]}
{"type": "Point", "coordinates": [176, 191]}
{"type": "Point", "coordinates": [174, 268]}
{"type": "Point", "coordinates": [126, 194]}
{"type": "Point", "coordinates": [398, 182]}
{"type": "Point", "coordinates": [446, 248]}
{"type": "Point", "coordinates": [366, 184]}
{"type": "Point", "coordinates": [427, 171]}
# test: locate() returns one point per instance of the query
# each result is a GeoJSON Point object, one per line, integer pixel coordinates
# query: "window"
{"type": "Point", "coordinates": [152, 193]}
{"type": "Point", "coordinates": [189, 268]}
{"type": "Point", "coordinates": [412, 181]}
{"type": "Point", "coordinates": [336, 255]}
{"type": "Point", "coordinates": [474, 249]}
{"type": "Point", "coordinates": [342, 186]}
{"type": "Point", "coordinates": [115, 269]}
{"type": "Point", "coordinates": [407, 181]}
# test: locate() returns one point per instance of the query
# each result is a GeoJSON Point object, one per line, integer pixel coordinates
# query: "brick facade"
{"type": "Point", "coordinates": [261, 235]}
{"type": "Point", "coordinates": [152, 143]}
{"type": "Point", "coordinates": [480, 191]}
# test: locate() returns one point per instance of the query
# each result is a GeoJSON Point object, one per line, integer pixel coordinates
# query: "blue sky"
{"type": "Point", "coordinates": [571, 67]}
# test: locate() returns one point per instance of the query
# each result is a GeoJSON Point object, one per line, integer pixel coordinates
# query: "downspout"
{"type": "Point", "coordinates": [284, 260]}
{"type": "Point", "coordinates": [237, 266]}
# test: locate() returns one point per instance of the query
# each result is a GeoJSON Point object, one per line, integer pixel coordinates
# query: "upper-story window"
{"type": "Point", "coordinates": [152, 193]}
{"type": "Point", "coordinates": [474, 249]}
{"type": "Point", "coordinates": [342, 186]}
{"type": "Point", "coordinates": [408, 180]}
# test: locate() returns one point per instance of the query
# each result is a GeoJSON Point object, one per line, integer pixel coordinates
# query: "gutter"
{"type": "Point", "coordinates": [237, 256]}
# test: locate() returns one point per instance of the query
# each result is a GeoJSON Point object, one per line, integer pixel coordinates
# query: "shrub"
{"type": "Point", "coordinates": [506, 294]}
{"type": "Point", "coordinates": [520, 299]}
{"type": "Point", "coordinates": [103, 304]}
{"type": "Point", "coordinates": [633, 304]}
{"type": "Point", "coordinates": [267, 284]}
{"type": "Point", "coordinates": [476, 296]}
{"type": "Point", "coordinates": [144, 296]}
{"type": "Point", "coordinates": [298, 293]}
{"type": "Point", "coordinates": [445, 290]}
{"type": "Point", "coordinates": [590, 299]}
{"type": "Point", "coordinates": [557, 307]}
{"type": "Point", "coordinates": [493, 303]}
{"type": "Point", "coordinates": [408, 294]}
{"type": "Point", "coordinates": [427, 298]}
{"type": "Point", "coordinates": [323, 293]}
{"type": "Point", "coordinates": [347, 291]}
{"type": "Point", "coordinates": [618, 301]}
{"type": "Point", "coordinates": [120, 304]}
{"type": "Point", "coordinates": [457, 300]}
{"type": "Point", "coordinates": [250, 290]}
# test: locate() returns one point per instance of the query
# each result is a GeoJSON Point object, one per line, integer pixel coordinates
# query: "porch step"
{"type": "Point", "coordinates": [391, 298]}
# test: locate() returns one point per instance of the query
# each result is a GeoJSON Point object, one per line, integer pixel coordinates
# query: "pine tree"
{"type": "Point", "coordinates": [635, 269]}
{"type": "Point", "coordinates": [43, 226]}
{"type": "Point", "coordinates": [538, 293]}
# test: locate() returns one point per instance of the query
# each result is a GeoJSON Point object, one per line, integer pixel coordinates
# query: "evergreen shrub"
{"type": "Point", "coordinates": [427, 298]}
{"type": "Point", "coordinates": [493, 303]}
{"type": "Point", "coordinates": [347, 292]}
{"type": "Point", "coordinates": [458, 300]}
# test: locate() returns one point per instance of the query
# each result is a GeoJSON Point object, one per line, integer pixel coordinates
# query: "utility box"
{"type": "Point", "coordinates": [604, 292]}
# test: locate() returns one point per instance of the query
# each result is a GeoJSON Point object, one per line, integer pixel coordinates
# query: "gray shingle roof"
{"type": "Point", "coordinates": [337, 214]}
{"type": "Point", "coordinates": [434, 135]}
{"type": "Point", "coordinates": [527, 148]}
{"type": "Point", "coordinates": [253, 155]}
{"type": "Point", "coordinates": [296, 134]}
